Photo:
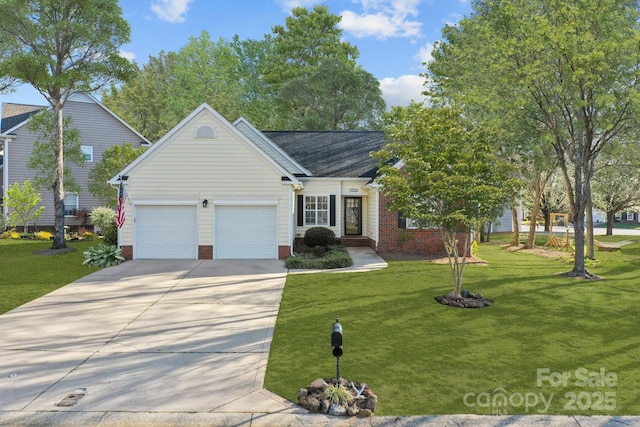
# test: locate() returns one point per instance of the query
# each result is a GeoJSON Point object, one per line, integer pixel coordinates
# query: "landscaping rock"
{"type": "Point", "coordinates": [363, 402]}
{"type": "Point", "coordinates": [337, 409]}
{"type": "Point", "coordinates": [319, 383]}
{"type": "Point", "coordinates": [325, 405]}
{"type": "Point", "coordinates": [365, 413]}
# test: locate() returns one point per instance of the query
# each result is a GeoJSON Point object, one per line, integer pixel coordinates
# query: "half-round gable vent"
{"type": "Point", "coordinates": [205, 132]}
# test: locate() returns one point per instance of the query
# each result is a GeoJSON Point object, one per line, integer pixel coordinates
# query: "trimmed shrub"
{"type": "Point", "coordinates": [10, 234]}
{"type": "Point", "coordinates": [102, 256]}
{"type": "Point", "coordinates": [87, 235]}
{"type": "Point", "coordinates": [103, 217]}
{"type": "Point", "coordinates": [43, 235]}
{"type": "Point", "coordinates": [110, 235]}
{"type": "Point", "coordinates": [319, 236]}
{"type": "Point", "coordinates": [336, 257]}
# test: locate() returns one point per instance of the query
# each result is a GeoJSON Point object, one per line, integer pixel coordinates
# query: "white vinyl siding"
{"type": "Point", "coordinates": [225, 168]}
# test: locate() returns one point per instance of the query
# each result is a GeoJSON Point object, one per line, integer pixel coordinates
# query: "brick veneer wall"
{"type": "Point", "coordinates": [127, 252]}
{"type": "Point", "coordinates": [401, 241]}
{"type": "Point", "coordinates": [284, 252]}
{"type": "Point", "coordinates": [205, 252]}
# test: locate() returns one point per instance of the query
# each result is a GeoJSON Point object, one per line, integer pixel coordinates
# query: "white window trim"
{"type": "Point", "coordinates": [410, 225]}
{"type": "Point", "coordinates": [77, 203]}
{"type": "Point", "coordinates": [87, 150]}
{"type": "Point", "coordinates": [316, 210]}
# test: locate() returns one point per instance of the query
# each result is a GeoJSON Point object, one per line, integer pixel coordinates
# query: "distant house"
{"type": "Point", "coordinates": [214, 189]}
{"type": "Point", "coordinates": [627, 216]}
{"type": "Point", "coordinates": [99, 129]}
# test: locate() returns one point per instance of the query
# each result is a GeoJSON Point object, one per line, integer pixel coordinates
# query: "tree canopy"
{"type": "Point", "coordinates": [114, 159]}
{"type": "Point", "coordinates": [301, 77]}
{"type": "Point", "coordinates": [443, 172]}
{"type": "Point", "coordinates": [569, 68]}
{"type": "Point", "coordinates": [63, 47]}
{"type": "Point", "coordinates": [42, 158]}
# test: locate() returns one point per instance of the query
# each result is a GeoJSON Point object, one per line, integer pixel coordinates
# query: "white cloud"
{"type": "Point", "coordinates": [288, 5]}
{"type": "Point", "coordinates": [173, 11]}
{"type": "Point", "coordinates": [402, 90]}
{"type": "Point", "coordinates": [128, 55]}
{"type": "Point", "coordinates": [383, 19]}
{"type": "Point", "coordinates": [425, 53]}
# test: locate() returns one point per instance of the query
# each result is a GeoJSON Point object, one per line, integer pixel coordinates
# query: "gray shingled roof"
{"type": "Point", "coordinates": [331, 153]}
{"type": "Point", "coordinates": [14, 114]}
{"type": "Point", "coordinates": [276, 153]}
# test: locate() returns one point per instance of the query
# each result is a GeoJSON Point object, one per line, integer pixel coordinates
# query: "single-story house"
{"type": "Point", "coordinates": [211, 189]}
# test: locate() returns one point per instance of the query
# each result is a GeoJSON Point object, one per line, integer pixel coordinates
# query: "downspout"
{"type": "Point", "coordinates": [5, 172]}
{"type": "Point", "coordinates": [298, 186]}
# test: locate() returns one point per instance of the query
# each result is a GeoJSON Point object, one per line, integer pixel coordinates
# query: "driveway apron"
{"type": "Point", "coordinates": [148, 336]}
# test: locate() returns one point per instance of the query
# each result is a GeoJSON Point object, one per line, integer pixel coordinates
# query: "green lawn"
{"type": "Point", "coordinates": [25, 276]}
{"type": "Point", "coordinates": [420, 357]}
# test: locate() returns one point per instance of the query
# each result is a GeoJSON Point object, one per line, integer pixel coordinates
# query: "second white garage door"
{"type": "Point", "coordinates": [165, 232]}
{"type": "Point", "coordinates": [246, 232]}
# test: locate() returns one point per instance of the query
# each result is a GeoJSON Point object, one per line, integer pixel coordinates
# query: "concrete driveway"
{"type": "Point", "coordinates": [145, 336]}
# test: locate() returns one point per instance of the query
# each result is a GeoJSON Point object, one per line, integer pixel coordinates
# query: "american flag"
{"type": "Point", "coordinates": [120, 215]}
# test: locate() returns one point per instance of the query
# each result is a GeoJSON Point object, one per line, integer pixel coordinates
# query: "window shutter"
{"type": "Point", "coordinates": [332, 210]}
{"type": "Point", "coordinates": [402, 221]}
{"type": "Point", "coordinates": [300, 210]}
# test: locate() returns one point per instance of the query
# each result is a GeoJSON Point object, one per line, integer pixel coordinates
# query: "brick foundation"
{"type": "Point", "coordinates": [127, 252]}
{"type": "Point", "coordinates": [205, 252]}
{"type": "Point", "coordinates": [284, 252]}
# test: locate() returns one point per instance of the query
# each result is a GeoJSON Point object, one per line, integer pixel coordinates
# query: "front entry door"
{"type": "Point", "coordinates": [353, 216]}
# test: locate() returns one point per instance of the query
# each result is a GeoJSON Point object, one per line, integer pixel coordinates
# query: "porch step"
{"type": "Point", "coordinates": [355, 241]}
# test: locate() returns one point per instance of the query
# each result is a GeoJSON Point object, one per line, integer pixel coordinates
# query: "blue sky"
{"type": "Point", "coordinates": [394, 37]}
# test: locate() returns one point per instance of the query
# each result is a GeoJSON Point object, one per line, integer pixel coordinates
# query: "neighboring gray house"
{"type": "Point", "coordinates": [99, 129]}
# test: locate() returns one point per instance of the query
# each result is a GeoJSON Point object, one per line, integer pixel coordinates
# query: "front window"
{"type": "Point", "coordinates": [70, 203]}
{"type": "Point", "coordinates": [411, 224]}
{"type": "Point", "coordinates": [316, 210]}
{"type": "Point", "coordinates": [87, 150]}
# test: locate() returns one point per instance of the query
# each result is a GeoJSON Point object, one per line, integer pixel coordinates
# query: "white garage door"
{"type": "Point", "coordinates": [246, 232]}
{"type": "Point", "coordinates": [165, 232]}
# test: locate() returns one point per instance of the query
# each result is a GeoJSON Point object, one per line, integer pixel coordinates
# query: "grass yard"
{"type": "Point", "coordinates": [25, 276]}
{"type": "Point", "coordinates": [421, 357]}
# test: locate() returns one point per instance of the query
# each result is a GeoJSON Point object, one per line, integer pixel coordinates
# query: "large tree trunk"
{"type": "Point", "coordinates": [590, 240]}
{"type": "Point", "coordinates": [610, 217]}
{"type": "Point", "coordinates": [578, 191]}
{"type": "Point", "coordinates": [515, 224]}
{"type": "Point", "coordinates": [539, 186]}
{"type": "Point", "coordinates": [58, 183]}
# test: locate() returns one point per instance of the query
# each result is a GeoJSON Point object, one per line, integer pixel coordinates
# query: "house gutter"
{"type": "Point", "coordinates": [5, 170]}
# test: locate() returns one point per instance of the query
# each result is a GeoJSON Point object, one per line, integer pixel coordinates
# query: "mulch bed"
{"type": "Point", "coordinates": [50, 252]}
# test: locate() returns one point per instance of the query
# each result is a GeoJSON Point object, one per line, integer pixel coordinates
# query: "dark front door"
{"type": "Point", "coordinates": [353, 216]}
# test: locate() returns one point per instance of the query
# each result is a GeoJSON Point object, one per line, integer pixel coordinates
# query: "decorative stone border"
{"type": "Point", "coordinates": [363, 402]}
